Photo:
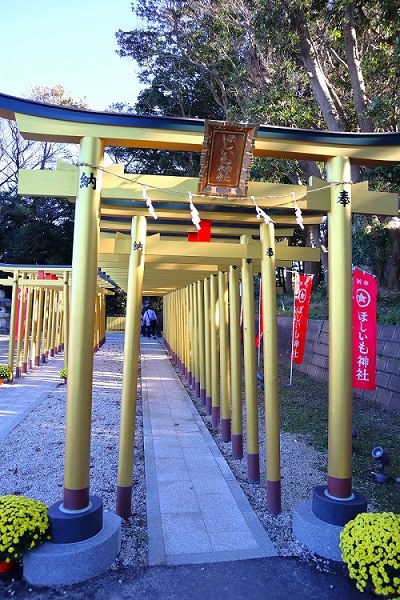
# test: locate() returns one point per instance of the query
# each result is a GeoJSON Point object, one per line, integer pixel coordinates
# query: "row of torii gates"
{"type": "Point", "coordinates": [115, 231]}
{"type": "Point", "coordinates": [39, 315]}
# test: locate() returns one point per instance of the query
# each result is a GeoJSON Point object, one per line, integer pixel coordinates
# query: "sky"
{"type": "Point", "coordinates": [48, 42]}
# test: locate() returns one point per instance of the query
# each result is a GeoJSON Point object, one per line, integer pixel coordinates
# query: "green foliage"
{"type": "Point", "coordinates": [290, 64]}
{"type": "Point", "coordinates": [35, 230]}
{"type": "Point", "coordinates": [157, 162]}
{"type": "Point", "coordinates": [388, 306]}
{"type": "Point", "coordinates": [318, 305]}
{"type": "Point", "coordinates": [251, 57]}
{"type": "Point", "coordinates": [155, 301]}
{"type": "Point", "coordinates": [383, 178]}
{"type": "Point", "coordinates": [187, 99]}
{"type": "Point", "coordinates": [371, 246]}
{"type": "Point", "coordinates": [116, 303]}
{"type": "Point", "coordinates": [277, 170]}
{"type": "Point", "coordinates": [177, 52]}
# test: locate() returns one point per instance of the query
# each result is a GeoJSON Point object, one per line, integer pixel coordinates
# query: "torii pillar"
{"type": "Point", "coordinates": [131, 367]}
{"type": "Point", "coordinates": [80, 516]}
{"type": "Point", "coordinates": [336, 503]}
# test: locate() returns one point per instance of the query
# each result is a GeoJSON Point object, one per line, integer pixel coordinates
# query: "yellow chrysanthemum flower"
{"type": "Point", "coordinates": [370, 546]}
{"type": "Point", "coordinates": [23, 521]}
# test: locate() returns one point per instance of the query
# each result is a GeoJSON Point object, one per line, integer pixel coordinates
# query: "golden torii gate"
{"type": "Point", "coordinates": [163, 252]}
{"type": "Point", "coordinates": [95, 200]}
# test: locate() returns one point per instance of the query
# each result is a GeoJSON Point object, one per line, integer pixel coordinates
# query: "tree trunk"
{"type": "Point", "coordinates": [355, 71]}
{"type": "Point", "coordinates": [311, 169]}
{"type": "Point", "coordinates": [313, 241]}
{"type": "Point", "coordinates": [330, 107]}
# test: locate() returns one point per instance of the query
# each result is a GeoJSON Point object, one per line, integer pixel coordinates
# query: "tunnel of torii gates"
{"type": "Point", "coordinates": [116, 232]}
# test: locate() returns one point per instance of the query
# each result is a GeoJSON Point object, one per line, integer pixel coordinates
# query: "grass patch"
{"type": "Point", "coordinates": [304, 411]}
{"type": "Point", "coordinates": [304, 408]}
{"type": "Point", "coordinates": [388, 306]}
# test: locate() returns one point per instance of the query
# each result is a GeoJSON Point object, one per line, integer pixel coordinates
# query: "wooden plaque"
{"type": "Point", "coordinates": [226, 158]}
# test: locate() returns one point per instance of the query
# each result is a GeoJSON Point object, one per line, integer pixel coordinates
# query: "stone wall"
{"type": "Point", "coordinates": [316, 363]}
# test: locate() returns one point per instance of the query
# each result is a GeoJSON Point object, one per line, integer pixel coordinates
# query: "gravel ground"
{"type": "Point", "coordinates": [32, 462]}
{"type": "Point", "coordinates": [300, 473]}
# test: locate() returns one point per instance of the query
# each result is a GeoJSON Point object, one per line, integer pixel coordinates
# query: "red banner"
{"type": "Point", "coordinates": [365, 291]}
{"type": "Point", "coordinates": [302, 292]}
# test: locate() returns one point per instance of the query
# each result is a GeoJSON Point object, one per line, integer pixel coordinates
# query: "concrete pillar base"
{"type": "Point", "coordinates": [65, 564]}
{"type": "Point", "coordinates": [318, 536]}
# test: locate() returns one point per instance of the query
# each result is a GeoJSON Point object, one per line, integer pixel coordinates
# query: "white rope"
{"type": "Point", "coordinates": [177, 193]}
{"type": "Point", "coordinates": [149, 204]}
{"type": "Point", "coordinates": [297, 212]}
{"type": "Point", "coordinates": [194, 212]}
{"type": "Point", "coordinates": [261, 213]}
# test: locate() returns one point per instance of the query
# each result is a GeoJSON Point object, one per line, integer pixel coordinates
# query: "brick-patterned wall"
{"type": "Point", "coordinates": [315, 361]}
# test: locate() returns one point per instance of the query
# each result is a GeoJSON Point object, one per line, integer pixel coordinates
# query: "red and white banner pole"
{"type": "Point", "coordinates": [302, 297]}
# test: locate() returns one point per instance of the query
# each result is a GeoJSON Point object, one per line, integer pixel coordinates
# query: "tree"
{"type": "Point", "coordinates": [304, 63]}
{"type": "Point", "coordinates": [34, 230]}
{"type": "Point", "coordinates": [17, 153]}
{"type": "Point", "coordinates": [173, 91]}
{"type": "Point", "coordinates": [177, 50]}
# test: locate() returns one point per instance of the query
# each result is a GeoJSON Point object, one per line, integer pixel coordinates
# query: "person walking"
{"type": "Point", "coordinates": [142, 324]}
{"type": "Point", "coordinates": [150, 319]}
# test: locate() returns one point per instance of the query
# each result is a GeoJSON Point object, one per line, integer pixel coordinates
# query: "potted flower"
{"type": "Point", "coordinates": [63, 374]}
{"type": "Point", "coordinates": [5, 372]}
{"type": "Point", "coordinates": [370, 546]}
{"type": "Point", "coordinates": [23, 525]}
